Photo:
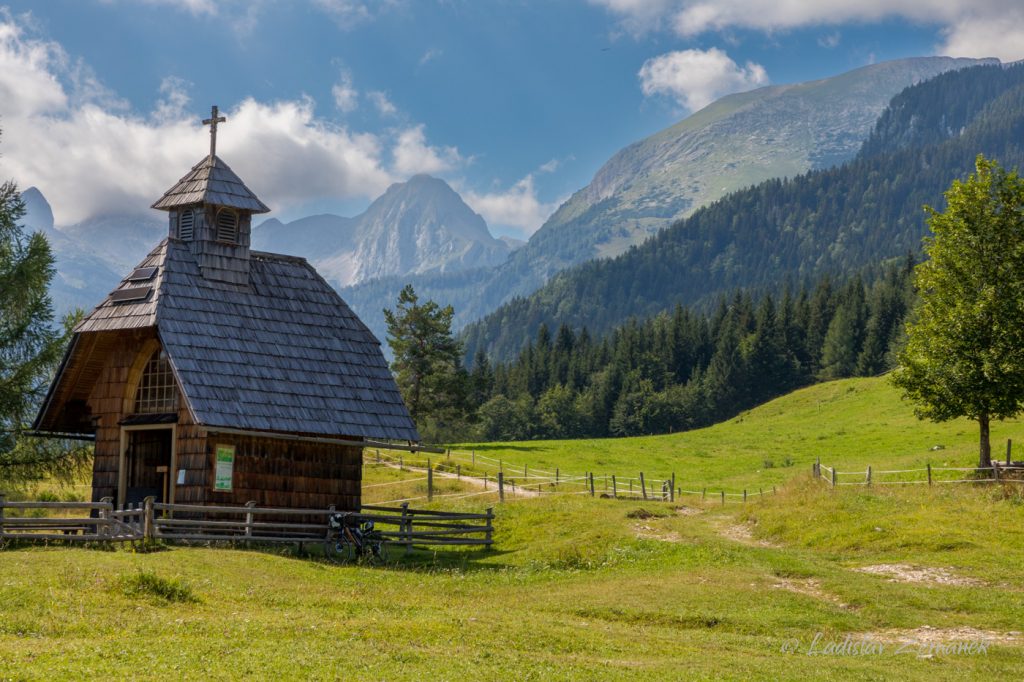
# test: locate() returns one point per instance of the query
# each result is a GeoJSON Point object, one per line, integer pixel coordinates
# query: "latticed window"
{"type": "Point", "coordinates": [186, 224]}
{"type": "Point", "coordinates": [157, 392]}
{"type": "Point", "coordinates": [227, 226]}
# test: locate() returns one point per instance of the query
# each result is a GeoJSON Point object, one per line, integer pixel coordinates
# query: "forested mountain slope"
{"type": "Point", "coordinates": [735, 142]}
{"type": "Point", "coordinates": [835, 220]}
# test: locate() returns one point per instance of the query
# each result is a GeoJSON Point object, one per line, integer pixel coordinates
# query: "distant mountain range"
{"type": "Point", "coordinates": [831, 221]}
{"type": "Point", "coordinates": [419, 226]}
{"type": "Point", "coordinates": [735, 142]}
{"type": "Point", "coordinates": [415, 227]}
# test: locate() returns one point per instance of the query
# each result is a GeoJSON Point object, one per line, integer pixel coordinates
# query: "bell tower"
{"type": "Point", "coordinates": [211, 210]}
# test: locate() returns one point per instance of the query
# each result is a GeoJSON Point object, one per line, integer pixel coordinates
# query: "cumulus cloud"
{"type": "Point", "coordinates": [89, 157]}
{"type": "Point", "coordinates": [970, 28]}
{"type": "Point", "coordinates": [413, 155]}
{"type": "Point", "coordinates": [381, 102]}
{"type": "Point", "coordinates": [346, 97]}
{"type": "Point", "coordinates": [516, 207]}
{"type": "Point", "coordinates": [350, 13]}
{"type": "Point", "coordinates": [695, 78]}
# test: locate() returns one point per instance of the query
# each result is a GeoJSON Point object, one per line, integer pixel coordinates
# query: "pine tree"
{"type": "Point", "coordinates": [427, 361]}
{"type": "Point", "coordinates": [30, 348]}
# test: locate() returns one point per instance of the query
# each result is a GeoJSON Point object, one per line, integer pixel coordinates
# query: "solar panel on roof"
{"type": "Point", "coordinates": [132, 294]}
{"type": "Point", "coordinates": [142, 274]}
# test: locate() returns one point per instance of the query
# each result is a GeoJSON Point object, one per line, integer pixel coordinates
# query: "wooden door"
{"type": "Point", "coordinates": [148, 462]}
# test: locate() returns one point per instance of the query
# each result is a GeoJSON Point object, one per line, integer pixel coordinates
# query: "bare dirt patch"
{"type": "Point", "coordinates": [810, 587]}
{"type": "Point", "coordinates": [929, 635]}
{"type": "Point", "coordinates": [683, 510]}
{"type": "Point", "coordinates": [905, 573]}
{"type": "Point", "coordinates": [645, 532]}
{"type": "Point", "coordinates": [743, 534]}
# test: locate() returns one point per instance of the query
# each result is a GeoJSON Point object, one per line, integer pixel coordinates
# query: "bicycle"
{"type": "Point", "coordinates": [356, 539]}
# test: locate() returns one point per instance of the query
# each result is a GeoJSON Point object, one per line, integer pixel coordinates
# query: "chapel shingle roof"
{"type": "Point", "coordinates": [283, 354]}
{"type": "Point", "coordinates": [211, 181]}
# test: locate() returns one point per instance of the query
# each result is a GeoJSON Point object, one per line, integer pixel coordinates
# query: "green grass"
{"type": "Point", "coordinates": [849, 424]}
{"type": "Point", "coordinates": [577, 587]}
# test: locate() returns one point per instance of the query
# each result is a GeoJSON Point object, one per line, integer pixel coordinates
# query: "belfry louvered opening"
{"type": "Point", "coordinates": [157, 393]}
{"type": "Point", "coordinates": [186, 224]}
{"type": "Point", "coordinates": [227, 226]}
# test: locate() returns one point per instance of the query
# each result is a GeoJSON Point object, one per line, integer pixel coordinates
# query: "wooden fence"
{"type": "Point", "coordinates": [101, 522]}
{"type": "Point", "coordinates": [1012, 472]}
{"type": "Point", "coordinates": [503, 480]}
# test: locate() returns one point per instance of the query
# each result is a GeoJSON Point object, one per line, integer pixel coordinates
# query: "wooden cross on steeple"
{"type": "Point", "coordinates": [212, 122]}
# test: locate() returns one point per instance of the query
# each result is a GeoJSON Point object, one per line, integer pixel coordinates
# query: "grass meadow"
{"type": "Point", "coordinates": [852, 583]}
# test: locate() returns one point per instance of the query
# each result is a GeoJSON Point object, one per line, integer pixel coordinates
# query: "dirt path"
{"type": "Point", "coordinates": [511, 491]}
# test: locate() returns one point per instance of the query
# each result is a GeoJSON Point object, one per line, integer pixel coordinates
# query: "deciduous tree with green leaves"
{"type": "Point", "coordinates": [964, 355]}
{"type": "Point", "coordinates": [30, 348]}
{"type": "Point", "coordinates": [427, 364]}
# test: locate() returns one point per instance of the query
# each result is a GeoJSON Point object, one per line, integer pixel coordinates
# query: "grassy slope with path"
{"type": "Point", "coordinates": [850, 424]}
{"type": "Point", "coordinates": [578, 588]}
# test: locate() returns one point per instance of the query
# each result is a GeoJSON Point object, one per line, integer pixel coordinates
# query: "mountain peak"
{"type": "Point", "coordinates": [38, 212]}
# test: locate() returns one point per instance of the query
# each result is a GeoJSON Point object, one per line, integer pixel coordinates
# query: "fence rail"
{"type": "Point", "coordinates": [1010, 472]}
{"type": "Point", "coordinates": [504, 479]}
{"type": "Point", "coordinates": [249, 524]}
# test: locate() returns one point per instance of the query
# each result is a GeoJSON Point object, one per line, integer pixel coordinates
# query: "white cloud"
{"type": "Point", "coordinates": [381, 102]}
{"type": "Point", "coordinates": [90, 157]}
{"type": "Point", "coordinates": [695, 78]}
{"type": "Point", "coordinates": [830, 40]}
{"type": "Point", "coordinates": [413, 155]}
{"type": "Point", "coordinates": [430, 55]}
{"type": "Point", "coordinates": [516, 207]}
{"type": "Point", "coordinates": [346, 97]}
{"type": "Point", "coordinates": [971, 28]}
{"type": "Point", "coordinates": [350, 13]}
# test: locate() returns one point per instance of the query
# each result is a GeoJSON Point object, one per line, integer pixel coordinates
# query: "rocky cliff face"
{"type": "Point", "coordinates": [415, 227]}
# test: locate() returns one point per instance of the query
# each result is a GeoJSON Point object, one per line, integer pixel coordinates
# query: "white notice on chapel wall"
{"type": "Point", "coordinates": [225, 468]}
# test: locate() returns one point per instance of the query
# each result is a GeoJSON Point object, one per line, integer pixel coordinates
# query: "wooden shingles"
{"type": "Point", "coordinates": [287, 354]}
{"type": "Point", "coordinates": [211, 181]}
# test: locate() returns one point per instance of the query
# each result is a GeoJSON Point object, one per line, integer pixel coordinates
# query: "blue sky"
{"type": "Point", "coordinates": [516, 103]}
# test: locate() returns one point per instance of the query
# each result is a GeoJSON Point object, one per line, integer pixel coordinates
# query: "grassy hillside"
{"type": "Point", "coordinates": [578, 588]}
{"type": "Point", "coordinates": [850, 424]}
{"type": "Point", "coordinates": [585, 588]}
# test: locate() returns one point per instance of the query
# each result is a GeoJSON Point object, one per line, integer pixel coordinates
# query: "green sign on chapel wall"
{"type": "Point", "coordinates": [225, 468]}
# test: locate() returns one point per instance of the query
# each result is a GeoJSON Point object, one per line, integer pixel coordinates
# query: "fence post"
{"type": "Point", "coordinates": [643, 485]}
{"type": "Point", "coordinates": [147, 518]}
{"type": "Point", "coordinates": [430, 482]}
{"type": "Point", "coordinates": [105, 528]}
{"type": "Point", "coordinates": [458, 471]}
{"type": "Point", "coordinates": [817, 465]}
{"type": "Point", "coordinates": [774, 491]}
{"type": "Point", "coordinates": [501, 486]}
{"type": "Point", "coordinates": [615, 488]}
{"type": "Point", "coordinates": [485, 480]}
{"type": "Point", "coordinates": [407, 527]}
{"type": "Point", "coordinates": [869, 474]}
{"type": "Point", "coordinates": [929, 473]}
{"type": "Point", "coordinates": [401, 463]}
{"type": "Point", "coordinates": [378, 457]}
{"type": "Point", "coordinates": [744, 494]}
{"type": "Point", "coordinates": [526, 470]}
{"type": "Point", "coordinates": [591, 483]}
{"type": "Point", "coordinates": [474, 457]}
{"type": "Point", "coordinates": [760, 492]}
{"type": "Point", "coordinates": [723, 498]}
{"type": "Point", "coordinates": [672, 489]}
{"type": "Point", "coordinates": [327, 533]}
{"type": "Point", "coordinates": [490, 525]}
{"type": "Point", "coordinates": [703, 494]}
{"type": "Point", "coordinates": [833, 477]}
{"type": "Point", "coordinates": [249, 517]}
{"type": "Point", "coordinates": [3, 501]}
{"type": "Point", "coordinates": [1009, 447]}
{"type": "Point", "coordinates": [556, 475]}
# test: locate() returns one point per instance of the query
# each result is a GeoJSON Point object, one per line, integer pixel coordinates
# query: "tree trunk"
{"type": "Point", "coordinates": [985, 457]}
